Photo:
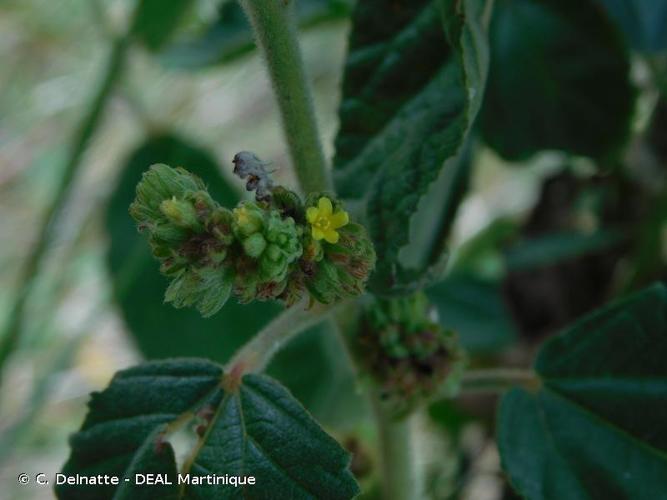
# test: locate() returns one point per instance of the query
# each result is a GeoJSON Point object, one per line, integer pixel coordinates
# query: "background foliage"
{"type": "Point", "coordinates": [518, 175]}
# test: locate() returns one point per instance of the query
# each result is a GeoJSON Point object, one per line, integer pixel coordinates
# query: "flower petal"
{"type": "Point", "coordinates": [331, 236]}
{"type": "Point", "coordinates": [312, 213]}
{"type": "Point", "coordinates": [339, 219]}
{"type": "Point", "coordinates": [318, 234]}
{"type": "Point", "coordinates": [325, 206]}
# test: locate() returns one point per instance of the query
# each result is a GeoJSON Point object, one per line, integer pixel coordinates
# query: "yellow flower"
{"type": "Point", "coordinates": [324, 221]}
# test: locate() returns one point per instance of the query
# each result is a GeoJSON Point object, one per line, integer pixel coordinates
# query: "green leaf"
{"type": "Point", "coordinates": [449, 418]}
{"type": "Point", "coordinates": [152, 458]}
{"type": "Point", "coordinates": [558, 246]}
{"type": "Point", "coordinates": [230, 35]}
{"type": "Point", "coordinates": [156, 20]}
{"type": "Point", "coordinates": [481, 255]}
{"type": "Point", "coordinates": [411, 93]}
{"type": "Point", "coordinates": [642, 21]}
{"type": "Point", "coordinates": [436, 212]}
{"type": "Point", "coordinates": [596, 427]}
{"type": "Point", "coordinates": [325, 381]}
{"type": "Point", "coordinates": [559, 79]}
{"type": "Point", "coordinates": [160, 331]}
{"type": "Point", "coordinates": [474, 308]}
{"type": "Point", "coordinates": [257, 429]}
{"type": "Point", "coordinates": [647, 261]}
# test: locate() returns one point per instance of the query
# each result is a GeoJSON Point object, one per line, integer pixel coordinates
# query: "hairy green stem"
{"type": "Point", "coordinates": [497, 380]}
{"type": "Point", "coordinates": [28, 273]}
{"type": "Point", "coordinates": [276, 32]}
{"type": "Point", "coordinates": [400, 479]}
{"type": "Point", "coordinates": [255, 355]}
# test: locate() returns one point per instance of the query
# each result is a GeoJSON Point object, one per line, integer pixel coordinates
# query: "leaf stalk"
{"type": "Point", "coordinates": [496, 380]}
{"type": "Point", "coordinates": [256, 354]}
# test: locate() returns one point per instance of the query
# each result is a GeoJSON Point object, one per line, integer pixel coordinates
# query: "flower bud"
{"type": "Point", "coordinates": [271, 243]}
{"type": "Point", "coordinates": [254, 245]}
{"type": "Point", "coordinates": [248, 219]}
{"type": "Point", "coordinates": [207, 289]}
{"type": "Point", "coordinates": [288, 204]}
{"type": "Point", "coordinates": [220, 225]}
{"type": "Point", "coordinates": [294, 288]}
{"type": "Point", "coordinates": [168, 234]}
{"type": "Point", "coordinates": [161, 183]}
{"type": "Point", "coordinates": [274, 248]}
{"type": "Point", "coordinates": [181, 213]}
{"type": "Point", "coordinates": [344, 267]}
{"type": "Point", "coordinates": [410, 356]}
{"type": "Point", "coordinates": [189, 234]}
{"type": "Point", "coordinates": [324, 285]}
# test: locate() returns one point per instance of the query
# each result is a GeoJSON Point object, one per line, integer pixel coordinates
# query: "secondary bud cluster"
{"type": "Point", "coordinates": [408, 354]}
{"type": "Point", "coordinates": [275, 247]}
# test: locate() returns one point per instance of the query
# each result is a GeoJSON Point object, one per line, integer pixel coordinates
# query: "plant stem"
{"type": "Point", "coordinates": [255, 355]}
{"type": "Point", "coordinates": [399, 473]}
{"type": "Point", "coordinates": [498, 380]}
{"type": "Point", "coordinates": [31, 266]}
{"type": "Point", "coordinates": [276, 33]}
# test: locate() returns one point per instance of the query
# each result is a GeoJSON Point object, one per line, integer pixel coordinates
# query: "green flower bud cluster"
{"type": "Point", "coordinates": [409, 355]}
{"type": "Point", "coordinates": [274, 247]}
{"type": "Point", "coordinates": [271, 244]}
{"type": "Point", "coordinates": [189, 233]}
{"type": "Point", "coordinates": [337, 265]}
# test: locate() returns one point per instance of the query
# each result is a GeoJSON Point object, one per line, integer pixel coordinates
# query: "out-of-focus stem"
{"type": "Point", "coordinates": [400, 479]}
{"type": "Point", "coordinates": [31, 266]}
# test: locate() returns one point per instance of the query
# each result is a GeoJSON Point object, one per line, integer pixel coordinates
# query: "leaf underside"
{"type": "Point", "coordinates": [411, 91]}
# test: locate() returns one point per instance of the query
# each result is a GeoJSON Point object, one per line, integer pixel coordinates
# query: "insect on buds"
{"type": "Point", "coordinates": [275, 247]}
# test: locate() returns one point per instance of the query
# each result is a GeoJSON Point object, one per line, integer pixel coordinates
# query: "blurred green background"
{"type": "Point", "coordinates": [536, 243]}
